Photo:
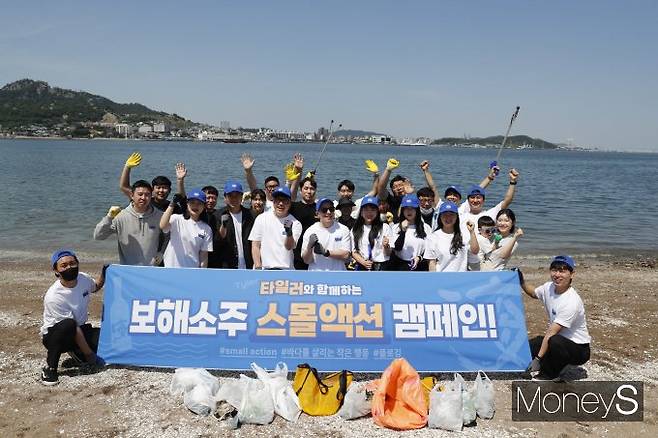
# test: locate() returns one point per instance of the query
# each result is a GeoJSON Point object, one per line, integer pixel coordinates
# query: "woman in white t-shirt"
{"type": "Point", "coordinates": [409, 234]}
{"type": "Point", "coordinates": [190, 239]}
{"type": "Point", "coordinates": [371, 237]}
{"type": "Point", "coordinates": [505, 245]}
{"type": "Point", "coordinates": [447, 247]}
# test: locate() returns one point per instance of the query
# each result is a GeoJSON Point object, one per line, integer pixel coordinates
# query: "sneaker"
{"type": "Point", "coordinates": [49, 376]}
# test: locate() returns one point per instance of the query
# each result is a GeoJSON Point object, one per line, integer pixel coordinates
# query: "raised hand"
{"type": "Point", "coordinates": [392, 163]}
{"type": "Point", "coordinates": [470, 226]}
{"type": "Point", "coordinates": [518, 232]}
{"type": "Point", "coordinates": [513, 176]}
{"type": "Point", "coordinates": [424, 165]}
{"type": "Point", "coordinates": [181, 171]}
{"type": "Point", "coordinates": [247, 161]}
{"type": "Point", "coordinates": [287, 227]}
{"type": "Point", "coordinates": [371, 166]}
{"type": "Point", "coordinates": [133, 160]}
{"type": "Point", "coordinates": [291, 172]}
{"type": "Point", "coordinates": [408, 187]}
{"type": "Point", "coordinates": [298, 161]}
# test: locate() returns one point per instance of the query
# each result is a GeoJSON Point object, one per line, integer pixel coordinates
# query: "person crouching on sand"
{"type": "Point", "coordinates": [65, 327]}
{"type": "Point", "coordinates": [566, 341]}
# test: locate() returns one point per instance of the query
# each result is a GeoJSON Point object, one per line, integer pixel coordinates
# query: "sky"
{"type": "Point", "coordinates": [583, 72]}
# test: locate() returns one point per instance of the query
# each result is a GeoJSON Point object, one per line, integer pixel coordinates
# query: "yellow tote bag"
{"type": "Point", "coordinates": [320, 396]}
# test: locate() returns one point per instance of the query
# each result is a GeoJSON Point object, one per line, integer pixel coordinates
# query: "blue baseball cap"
{"type": "Point", "coordinates": [370, 200]}
{"type": "Point", "coordinates": [410, 201]}
{"type": "Point", "coordinates": [568, 260]}
{"type": "Point", "coordinates": [321, 201]}
{"type": "Point", "coordinates": [282, 191]}
{"type": "Point", "coordinates": [455, 189]}
{"type": "Point", "coordinates": [61, 253]}
{"type": "Point", "coordinates": [196, 194]}
{"type": "Point", "coordinates": [232, 187]}
{"type": "Point", "coordinates": [448, 206]}
{"type": "Point", "coordinates": [476, 190]}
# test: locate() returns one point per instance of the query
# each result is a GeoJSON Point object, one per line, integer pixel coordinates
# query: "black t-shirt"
{"type": "Point", "coordinates": [304, 213]}
{"type": "Point", "coordinates": [347, 220]}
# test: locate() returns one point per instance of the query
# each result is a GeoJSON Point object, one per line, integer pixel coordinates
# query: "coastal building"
{"type": "Point", "coordinates": [145, 129]}
{"type": "Point", "coordinates": [124, 129]}
{"type": "Point", "coordinates": [160, 127]}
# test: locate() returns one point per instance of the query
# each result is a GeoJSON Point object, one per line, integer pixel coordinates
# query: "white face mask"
{"type": "Point", "coordinates": [426, 211]}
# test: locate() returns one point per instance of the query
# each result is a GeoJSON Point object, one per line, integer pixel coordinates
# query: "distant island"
{"type": "Point", "coordinates": [32, 108]}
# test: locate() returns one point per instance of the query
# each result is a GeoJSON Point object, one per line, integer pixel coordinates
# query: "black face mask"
{"type": "Point", "coordinates": [69, 274]}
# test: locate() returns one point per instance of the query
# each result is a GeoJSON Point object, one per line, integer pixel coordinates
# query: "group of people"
{"type": "Point", "coordinates": [393, 227]}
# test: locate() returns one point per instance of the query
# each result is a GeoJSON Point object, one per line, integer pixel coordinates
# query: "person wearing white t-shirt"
{"type": "Point", "coordinates": [65, 308]}
{"type": "Point", "coordinates": [447, 247]}
{"type": "Point", "coordinates": [566, 341]}
{"type": "Point", "coordinates": [371, 238]}
{"type": "Point", "coordinates": [275, 234]}
{"type": "Point", "coordinates": [190, 238]}
{"type": "Point", "coordinates": [410, 235]}
{"type": "Point", "coordinates": [327, 243]}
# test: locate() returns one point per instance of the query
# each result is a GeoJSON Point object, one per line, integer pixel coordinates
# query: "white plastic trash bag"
{"type": "Point", "coordinates": [284, 399]}
{"type": "Point", "coordinates": [357, 402]}
{"type": "Point", "coordinates": [186, 379]}
{"type": "Point", "coordinates": [231, 391]}
{"type": "Point", "coordinates": [468, 400]}
{"type": "Point", "coordinates": [446, 407]}
{"type": "Point", "coordinates": [484, 396]}
{"type": "Point", "coordinates": [199, 400]}
{"type": "Point", "coordinates": [256, 406]}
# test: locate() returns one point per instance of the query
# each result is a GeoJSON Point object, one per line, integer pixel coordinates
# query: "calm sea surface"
{"type": "Point", "coordinates": [54, 192]}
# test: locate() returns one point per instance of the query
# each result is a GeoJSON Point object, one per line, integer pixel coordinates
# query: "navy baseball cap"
{"type": "Point", "coordinates": [322, 201]}
{"type": "Point", "coordinates": [196, 194]}
{"type": "Point", "coordinates": [282, 191]}
{"type": "Point", "coordinates": [232, 187]}
{"type": "Point", "coordinates": [448, 206]}
{"type": "Point", "coordinates": [476, 190]}
{"type": "Point", "coordinates": [456, 189]}
{"type": "Point", "coordinates": [410, 201]}
{"type": "Point", "coordinates": [61, 253]}
{"type": "Point", "coordinates": [370, 200]}
{"type": "Point", "coordinates": [568, 260]}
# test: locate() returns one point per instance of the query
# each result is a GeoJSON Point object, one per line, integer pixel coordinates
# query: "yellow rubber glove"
{"type": "Point", "coordinates": [291, 172]}
{"type": "Point", "coordinates": [113, 211]}
{"type": "Point", "coordinates": [133, 160]}
{"type": "Point", "coordinates": [389, 217]}
{"type": "Point", "coordinates": [371, 166]}
{"type": "Point", "coordinates": [392, 163]}
{"type": "Point", "coordinates": [246, 196]}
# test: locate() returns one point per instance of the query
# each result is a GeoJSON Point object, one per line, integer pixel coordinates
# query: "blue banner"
{"type": "Point", "coordinates": [361, 321]}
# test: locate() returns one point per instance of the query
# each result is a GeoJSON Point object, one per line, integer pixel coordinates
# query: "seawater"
{"type": "Point", "coordinates": [55, 191]}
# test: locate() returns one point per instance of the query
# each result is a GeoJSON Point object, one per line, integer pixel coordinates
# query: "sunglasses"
{"type": "Point", "coordinates": [327, 209]}
{"type": "Point", "coordinates": [487, 230]}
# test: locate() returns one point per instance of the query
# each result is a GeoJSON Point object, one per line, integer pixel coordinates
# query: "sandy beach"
{"type": "Point", "coordinates": [620, 301]}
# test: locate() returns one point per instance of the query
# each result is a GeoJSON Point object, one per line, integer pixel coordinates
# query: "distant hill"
{"type": "Point", "coordinates": [354, 133]}
{"type": "Point", "coordinates": [27, 101]}
{"type": "Point", "coordinates": [513, 141]}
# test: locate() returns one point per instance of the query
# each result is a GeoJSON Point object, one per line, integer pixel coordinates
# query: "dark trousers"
{"type": "Point", "coordinates": [61, 338]}
{"type": "Point", "coordinates": [561, 352]}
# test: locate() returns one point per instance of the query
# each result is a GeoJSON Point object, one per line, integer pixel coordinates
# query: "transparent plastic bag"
{"type": "Point", "coordinates": [256, 406]}
{"type": "Point", "coordinates": [446, 406]}
{"type": "Point", "coordinates": [357, 402]}
{"type": "Point", "coordinates": [286, 402]}
{"type": "Point", "coordinates": [484, 396]}
{"type": "Point", "coordinates": [468, 400]}
{"type": "Point", "coordinates": [186, 379]}
{"type": "Point", "coordinates": [231, 391]}
{"type": "Point", "coordinates": [199, 400]}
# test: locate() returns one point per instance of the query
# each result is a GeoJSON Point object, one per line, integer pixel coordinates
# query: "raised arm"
{"type": "Point", "coordinates": [106, 226]}
{"type": "Point", "coordinates": [509, 195]}
{"type": "Point", "coordinates": [294, 174]}
{"type": "Point", "coordinates": [124, 180]}
{"type": "Point", "coordinates": [166, 216]}
{"type": "Point", "coordinates": [474, 246]}
{"type": "Point", "coordinates": [491, 176]}
{"type": "Point", "coordinates": [391, 165]}
{"type": "Point", "coordinates": [372, 167]}
{"type": "Point", "coordinates": [181, 173]}
{"type": "Point", "coordinates": [248, 164]}
{"type": "Point", "coordinates": [506, 250]}
{"type": "Point", "coordinates": [527, 287]}
{"type": "Point", "coordinates": [425, 167]}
